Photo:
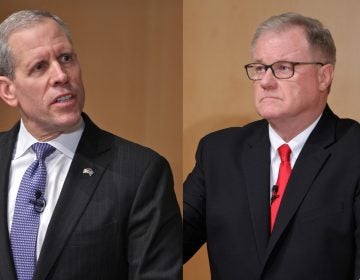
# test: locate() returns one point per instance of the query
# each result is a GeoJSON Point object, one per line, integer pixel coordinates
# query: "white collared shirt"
{"type": "Point", "coordinates": [296, 144]}
{"type": "Point", "coordinates": [57, 165]}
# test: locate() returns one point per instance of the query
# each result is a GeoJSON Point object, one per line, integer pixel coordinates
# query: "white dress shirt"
{"type": "Point", "coordinates": [57, 164]}
{"type": "Point", "coordinates": [296, 144]}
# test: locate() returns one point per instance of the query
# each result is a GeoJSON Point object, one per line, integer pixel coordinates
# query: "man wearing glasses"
{"type": "Point", "coordinates": [279, 198]}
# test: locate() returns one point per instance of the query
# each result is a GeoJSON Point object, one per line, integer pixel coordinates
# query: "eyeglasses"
{"type": "Point", "coordinates": [280, 69]}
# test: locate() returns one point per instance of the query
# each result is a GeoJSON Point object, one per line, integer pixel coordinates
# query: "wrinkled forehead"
{"type": "Point", "coordinates": [27, 28]}
{"type": "Point", "coordinates": [37, 41]}
{"type": "Point", "coordinates": [37, 33]}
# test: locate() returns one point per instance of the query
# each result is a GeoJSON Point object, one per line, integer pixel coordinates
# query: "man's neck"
{"type": "Point", "coordinates": [290, 128]}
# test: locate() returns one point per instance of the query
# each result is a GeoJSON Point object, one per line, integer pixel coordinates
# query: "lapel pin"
{"type": "Point", "coordinates": [88, 171]}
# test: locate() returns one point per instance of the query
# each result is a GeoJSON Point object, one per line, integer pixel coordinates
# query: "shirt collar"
{"type": "Point", "coordinates": [66, 142]}
{"type": "Point", "coordinates": [295, 144]}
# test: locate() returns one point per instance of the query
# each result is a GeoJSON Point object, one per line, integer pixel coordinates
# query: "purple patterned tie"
{"type": "Point", "coordinates": [29, 204]}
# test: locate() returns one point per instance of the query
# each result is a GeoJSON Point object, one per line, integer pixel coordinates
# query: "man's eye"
{"type": "Point", "coordinates": [66, 58]}
{"type": "Point", "coordinates": [259, 69]}
{"type": "Point", "coordinates": [39, 66]}
{"type": "Point", "coordinates": [283, 67]}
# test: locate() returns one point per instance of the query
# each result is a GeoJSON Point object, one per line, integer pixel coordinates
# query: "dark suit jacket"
{"type": "Point", "coordinates": [317, 232]}
{"type": "Point", "coordinates": [122, 222]}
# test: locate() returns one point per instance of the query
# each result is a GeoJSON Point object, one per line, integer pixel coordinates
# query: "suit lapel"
{"type": "Point", "coordinates": [92, 154]}
{"type": "Point", "coordinates": [256, 166]}
{"type": "Point", "coordinates": [311, 159]}
{"type": "Point", "coordinates": [7, 143]}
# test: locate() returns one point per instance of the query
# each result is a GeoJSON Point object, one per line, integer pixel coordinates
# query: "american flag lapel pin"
{"type": "Point", "coordinates": [88, 171]}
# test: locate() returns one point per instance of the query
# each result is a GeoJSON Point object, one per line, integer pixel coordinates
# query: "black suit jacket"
{"type": "Point", "coordinates": [122, 222]}
{"type": "Point", "coordinates": [317, 232]}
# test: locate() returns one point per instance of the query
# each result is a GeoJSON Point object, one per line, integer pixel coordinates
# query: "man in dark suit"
{"type": "Point", "coordinates": [268, 216]}
{"type": "Point", "coordinates": [108, 210]}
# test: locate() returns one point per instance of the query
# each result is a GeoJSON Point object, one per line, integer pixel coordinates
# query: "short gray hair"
{"type": "Point", "coordinates": [318, 37]}
{"type": "Point", "coordinates": [21, 20]}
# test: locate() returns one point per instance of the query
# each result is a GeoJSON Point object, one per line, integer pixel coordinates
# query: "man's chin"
{"type": "Point", "coordinates": [69, 122]}
{"type": "Point", "coordinates": [268, 114]}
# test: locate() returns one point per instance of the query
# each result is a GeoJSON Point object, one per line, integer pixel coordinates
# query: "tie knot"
{"type": "Point", "coordinates": [42, 150]}
{"type": "Point", "coordinates": [284, 152]}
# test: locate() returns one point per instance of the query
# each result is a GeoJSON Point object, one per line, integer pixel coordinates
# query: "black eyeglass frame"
{"type": "Point", "coordinates": [267, 66]}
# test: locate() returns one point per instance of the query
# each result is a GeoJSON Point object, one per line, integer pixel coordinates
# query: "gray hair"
{"type": "Point", "coordinates": [318, 37]}
{"type": "Point", "coordinates": [21, 20]}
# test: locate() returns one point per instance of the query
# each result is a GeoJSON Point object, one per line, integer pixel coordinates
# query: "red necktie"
{"type": "Point", "coordinates": [283, 177]}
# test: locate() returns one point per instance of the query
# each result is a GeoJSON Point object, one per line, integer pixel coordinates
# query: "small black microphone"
{"type": "Point", "coordinates": [274, 194]}
{"type": "Point", "coordinates": [39, 202]}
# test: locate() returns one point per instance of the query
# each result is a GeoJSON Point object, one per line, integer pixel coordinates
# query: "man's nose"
{"type": "Point", "coordinates": [58, 74]}
{"type": "Point", "coordinates": [269, 80]}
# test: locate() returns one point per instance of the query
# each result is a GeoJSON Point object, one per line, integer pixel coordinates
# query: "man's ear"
{"type": "Point", "coordinates": [7, 92]}
{"type": "Point", "coordinates": [325, 76]}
